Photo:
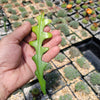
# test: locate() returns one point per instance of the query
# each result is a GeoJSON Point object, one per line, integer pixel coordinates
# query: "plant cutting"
{"type": "Point", "coordinates": [37, 44]}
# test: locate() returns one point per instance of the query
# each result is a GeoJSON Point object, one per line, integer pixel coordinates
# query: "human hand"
{"type": "Point", "coordinates": [16, 64]}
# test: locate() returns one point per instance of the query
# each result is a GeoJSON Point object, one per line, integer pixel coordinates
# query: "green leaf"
{"type": "Point", "coordinates": [37, 44]}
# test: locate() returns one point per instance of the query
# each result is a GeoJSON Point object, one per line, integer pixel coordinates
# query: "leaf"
{"type": "Point", "coordinates": [40, 50]}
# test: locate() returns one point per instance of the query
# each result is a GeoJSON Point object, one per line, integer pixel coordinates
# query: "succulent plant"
{"type": "Point", "coordinates": [74, 52]}
{"type": "Point", "coordinates": [36, 1]}
{"type": "Point", "coordinates": [83, 33]}
{"type": "Point", "coordinates": [71, 73]}
{"type": "Point", "coordinates": [63, 42]}
{"type": "Point", "coordinates": [14, 17]}
{"type": "Point", "coordinates": [73, 38]}
{"type": "Point", "coordinates": [57, 21]}
{"type": "Point", "coordinates": [60, 57]}
{"type": "Point", "coordinates": [78, 1]}
{"type": "Point", "coordinates": [8, 6]}
{"type": "Point", "coordinates": [93, 28]}
{"type": "Point", "coordinates": [95, 78]}
{"type": "Point", "coordinates": [77, 15]}
{"type": "Point", "coordinates": [93, 12]}
{"type": "Point", "coordinates": [24, 14]}
{"type": "Point", "coordinates": [49, 66]}
{"type": "Point", "coordinates": [74, 24]}
{"type": "Point", "coordinates": [13, 0]}
{"type": "Point", "coordinates": [68, 19]}
{"type": "Point", "coordinates": [98, 8]}
{"type": "Point", "coordinates": [49, 14]}
{"type": "Point", "coordinates": [63, 5]}
{"type": "Point", "coordinates": [17, 24]}
{"type": "Point", "coordinates": [32, 8]}
{"type": "Point", "coordinates": [84, 13]}
{"type": "Point", "coordinates": [93, 18]}
{"type": "Point", "coordinates": [41, 5]}
{"type": "Point", "coordinates": [98, 16]}
{"type": "Point", "coordinates": [22, 9]}
{"type": "Point", "coordinates": [71, 2]}
{"type": "Point", "coordinates": [31, 20]}
{"type": "Point", "coordinates": [17, 4]}
{"type": "Point", "coordinates": [12, 11]}
{"type": "Point", "coordinates": [35, 92]}
{"type": "Point", "coordinates": [85, 0]}
{"type": "Point", "coordinates": [84, 6]}
{"type": "Point", "coordinates": [52, 79]}
{"type": "Point", "coordinates": [61, 13]}
{"type": "Point", "coordinates": [49, 3]}
{"type": "Point", "coordinates": [70, 10]}
{"type": "Point", "coordinates": [77, 7]}
{"type": "Point", "coordinates": [64, 28]}
{"type": "Point", "coordinates": [84, 21]}
{"type": "Point", "coordinates": [92, 4]}
{"type": "Point", "coordinates": [98, 2]}
{"type": "Point", "coordinates": [66, 97]}
{"type": "Point", "coordinates": [4, 1]}
{"type": "Point", "coordinates": [82, 62]}
{"type": "Point", "coordinates": [35, 11]}
{"type": "Point", "coordinates": [81, 86]}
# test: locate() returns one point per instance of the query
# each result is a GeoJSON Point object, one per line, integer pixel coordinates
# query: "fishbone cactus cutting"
{"type": "Point", "coordinates": [40, 50]}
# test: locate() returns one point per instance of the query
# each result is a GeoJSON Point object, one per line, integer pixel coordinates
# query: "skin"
{"type": "Point", "coordinates": [16, 64]}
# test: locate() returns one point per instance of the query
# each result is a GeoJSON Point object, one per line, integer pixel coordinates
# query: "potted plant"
{"type": "Point", "coordinates": [93, 80]}
{"type": "Point", "coordinates": [77, 8]}
{"type": "Point", "coordinates": [85, 6]}
{"type": "Point", "coordinates": [60, 60]}
{"type": "Point", "coordinates": [63, 5]}
{"type": "Point", "coordinates": [83, 65]}
{"type": "Point", "coordinates": [74, 24]}
{"type": "Point", "coordinates": [93, 18]}
{"type": "Point", "coordinates": [69, 73]}
{"type": "Point", "coordinates": [54, 81]}
{"type": "Point", "coordinates": [78, 1]}
{"type": "Point", "coordinates": [72, 53]}
{"type": "Point", "coordinates": [82, 90]}
{"type": "Point", "coordinates": [98, 9]}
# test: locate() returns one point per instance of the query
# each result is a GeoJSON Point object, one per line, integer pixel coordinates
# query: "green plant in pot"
{"type": "Point", "coordinates": [77, 7]}
{"type": "Point", "coordinates": [84, 13]}
{"type": "Point", "coordinates": [98, 2]}
{"type": "Point", "coordinates": [83, 33]}
{"type": "Point", "coordinates": [74, 24]}
{"type": "Point", "coordinates": [93, 17]}
{"type": "Point", "coordinates": [60, 57]}
{"type": "Point", "coordinates": [77, 15]}
{"type": "Point", "coordinates": [82, 62]}
{"type": "Point", "coordinates": [71, 2]}
{"type": "Point", "coordinates": [66, 97]}
{"type": "Point", "coordinates": [49, 3]}
{"type": "Point", "coordinates": [61, 13]}
{"type": "Point", "coordinates": [85, 20]}
{"type": "Point", "coordinates": [63, 5]}
{"type": "Point", "coordinates": [95, 78]}
{"type": "Point", "coordinates": [78, 1]}
{"type": "Point", "coordinates": [71, 73]}
{"type": "Point", "coordinates": [94, 27]}
{"type": "Point", "coordinates": [82, 87]}
{"type": "Point", "coordinates": [98, 8]}
{"type": "Point", "coordinates": [98, 16]}
{"type": "Point", "coordinates": [85, 6]}
{"type": "Point", "coordinates": [63, 42]}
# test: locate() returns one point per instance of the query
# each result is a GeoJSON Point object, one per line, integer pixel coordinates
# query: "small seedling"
{"type": "Point", "coordinates": [82, 87]}
{"type": "Point", "coordinates": [49, 3]}
{"type": "Point", "coordinates": [71, 73]}
{"type": "Point", "coordinates": [22, 9]}
{"type": "Point", "coordinates": [84, 13]}
{"type": "Point", "coordinates": [63, 42]}
{"type": "Point", "coordinates": [82, 62]}
{"type": "Point", "coordinates": [12, 11]}
{"type": "Point", "coordinates": [14, 17]}
{"type": "Point", "coordinates": [84, 21]}
{"type": "Point", "coordinates": [32, 8]}
{"type": "Point", "coordinates": [78, 1]}
{"type": "Point", "coordinates": [36, 1]}
{"type": "Point", "coordinates": [17, 24]}
{"type": "Point", "coordinates": [17, 4]}
{"type": "Point", "coordinates": [60, 57]}
{"type": "Point", "coordinates": [8, 6]}
{"type": "Point", "coordinates": [66, 97]}
{"type": "Point", "coordinates": [31, 20]}
{"type": "Point", "coordinates": [35, 11]}
{"type": "Point", "coordinates": [61, 13]}
{"type": "Point", "coordinates": [74, 24]}
{"type": "Point", "coordinates": [95, 78]}
{"type": "Point", "coordinates": [24, 14]}
{"type": "Point", "coordinates": [74, 52]}
{"type": "Point", "coordinates": [83, 33]}
{"type": "Point", "coordinates": [98, 8]}
{"type": "Point", "coordinates": [35, 92]}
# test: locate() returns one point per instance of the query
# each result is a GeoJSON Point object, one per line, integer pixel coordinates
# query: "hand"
{"type": "Point", "coordinates": [16, 64]}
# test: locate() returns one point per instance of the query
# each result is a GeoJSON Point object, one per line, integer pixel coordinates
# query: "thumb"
{"type": "Point", "coordinates": [20, 33]}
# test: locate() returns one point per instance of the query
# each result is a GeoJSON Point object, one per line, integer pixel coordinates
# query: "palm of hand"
{"type": "Point", "coordinates": [16, 65]}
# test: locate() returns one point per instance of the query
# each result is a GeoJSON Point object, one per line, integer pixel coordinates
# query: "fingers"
{"type": "Point", "coordinates": [19, 34]}
{"type": "Point", "coordinates": [51, 54]}
{"type": "Point", "coordinates": [32, 36]}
